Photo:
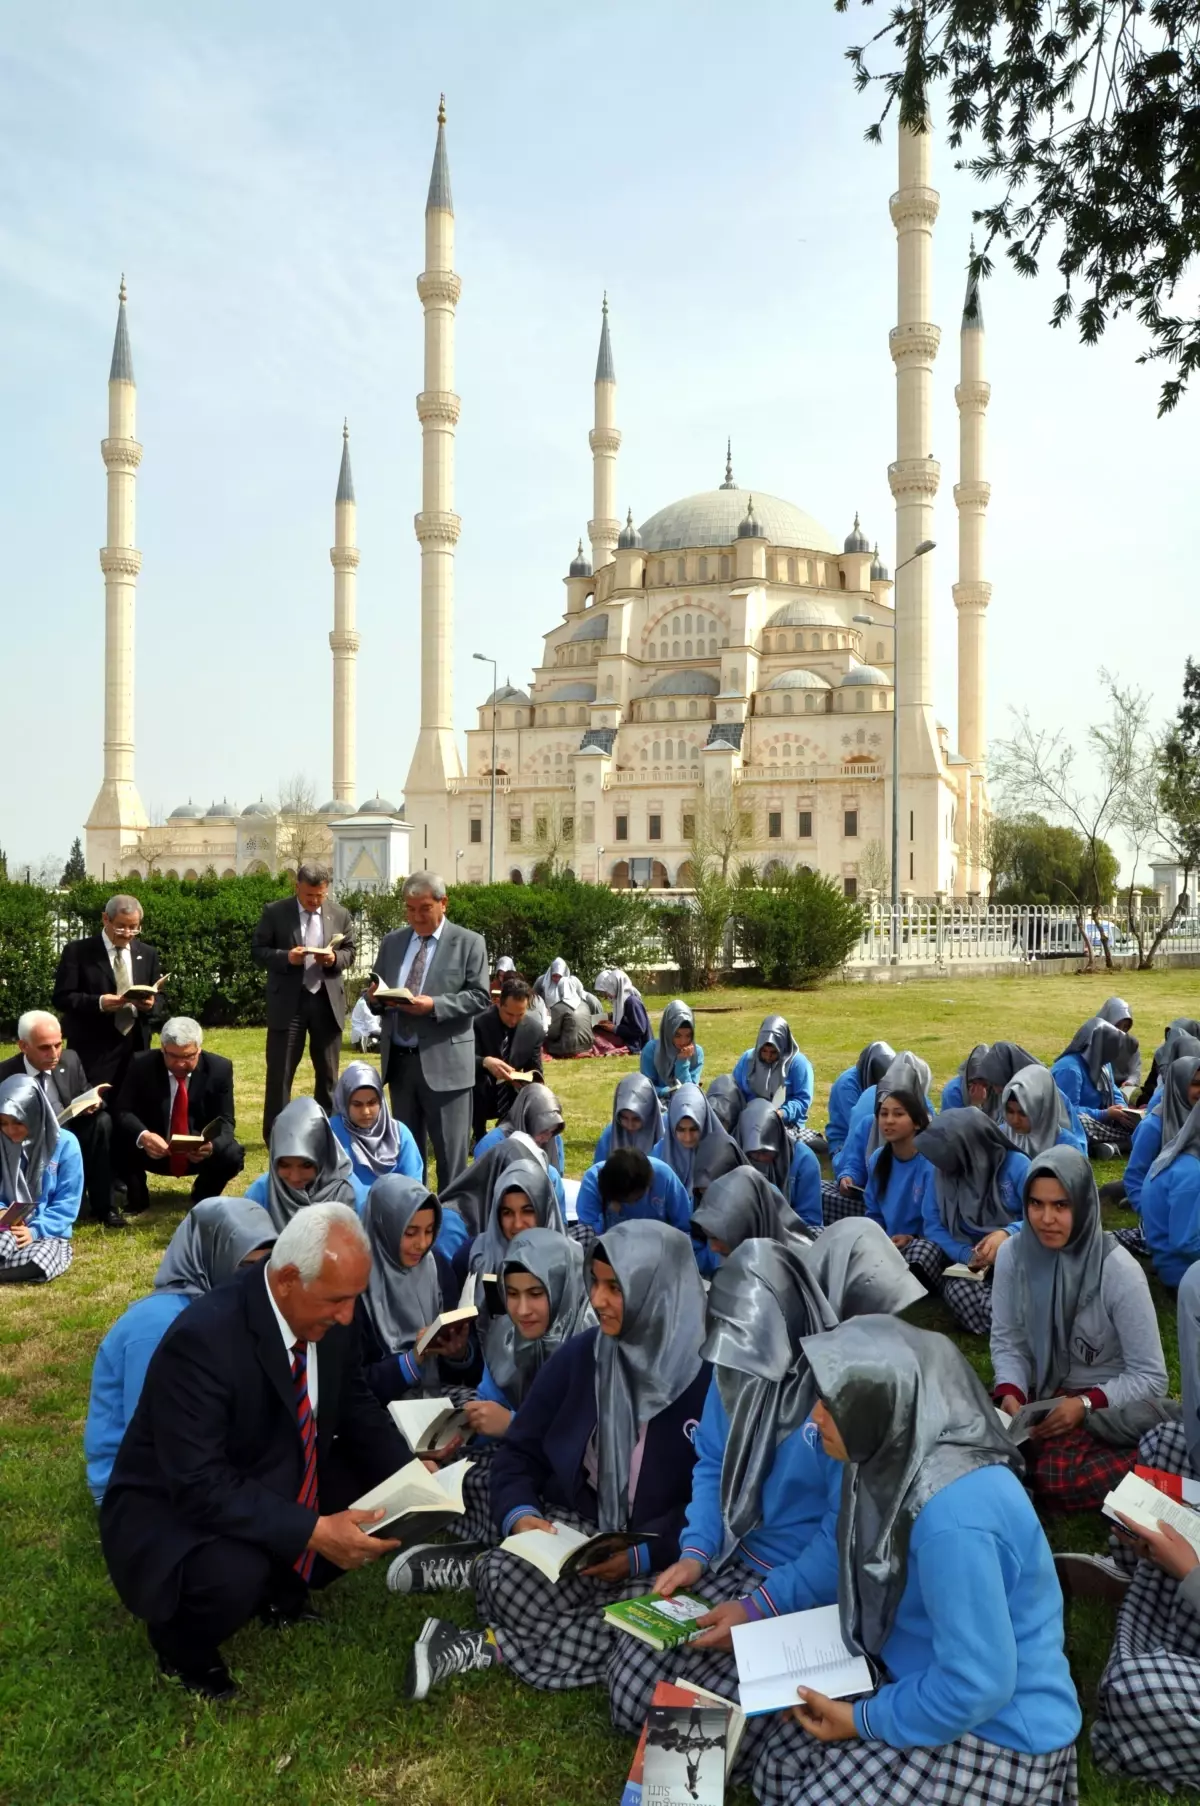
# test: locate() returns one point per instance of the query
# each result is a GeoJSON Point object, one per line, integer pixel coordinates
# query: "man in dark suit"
{"type": "Point", "coordinates": [92, 977]}
{"type": "Point", "coordinates": [254, 1430]}
{"type": "Point", "coordinates": [508, 1039]}
{"type": "Point", "coordinates": [178, 1090]}
{"type": "Point", "coordinates": [59, 1072]}
{"type": "Point", "coordinates": [427, 1053]}
{"type": "Point", "coordinates": [306, 998]}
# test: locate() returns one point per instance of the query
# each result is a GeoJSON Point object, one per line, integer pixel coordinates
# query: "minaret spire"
{"type": "Point", "coordinates": [344, 640]}
{"type": "Point", "coordinates": [435, 761]}
{"type": "Point", "coordinates": [972, 493]}
{"type": "Point", "coordinates": [118, 815]}
{"type": "Point", "coordinates": [729, 482]}
{"type": "Point", "coordinates": [605, 529]}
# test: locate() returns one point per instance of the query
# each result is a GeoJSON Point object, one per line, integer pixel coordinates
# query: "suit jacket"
{"type": "Point", "coordinates": [458, 983]}
{"type": "Point", "coordinates": [68, 1079]}
{"type": "Point", "coordinates": [213, 1448]}
{"type": "Point", "coordinates": [278, 931]}
{"type": "Point", "coordinates": [85, 975]}
{"type": "Point", "coordinates": [145, 1097]}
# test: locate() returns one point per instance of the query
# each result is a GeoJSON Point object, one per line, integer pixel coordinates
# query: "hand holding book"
{"type": "Point", "coordinates": [828, 1720]}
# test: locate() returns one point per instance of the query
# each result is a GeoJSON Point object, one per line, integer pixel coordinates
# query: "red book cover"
{"type": "Point", "coordinates": [1171, 1484]}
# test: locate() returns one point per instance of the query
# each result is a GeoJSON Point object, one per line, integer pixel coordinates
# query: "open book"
{"type": "Point", "coordinates": [415, 1502]}
{"type": "Point", "coordinates": [139, 993]}
{"type": "Point", "coordinates": [187, 1144]}
{"type": "Point", "coordinates": [802, 1649]}
{"type": "Point", "coordinates": [334, 943]}
{"type": "Point", "coordinates": [660, 1622]}
{"type": "Point", "coordinates": [428, 1425]}
{"type": "Point", "coordinates": [1144, 1505]}
{"type": "Point", "coordinates": [1020, 1426]}
{"type": "Point", "coordinates": [462, 1313]}
{"type": "Point", "coordinates": [565, 1551]}
{"type": "Point", "coordinates": [1176, 1486]}
{"type": "Point", "coordinates": [391, 993]}
{"type": "Point", "coordinates": [960, 1270]}
{"type": "Point", "coordinates": [79, 1106]}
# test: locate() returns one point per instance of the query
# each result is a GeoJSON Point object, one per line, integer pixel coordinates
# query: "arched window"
{"type": "Point", "coordinates": [645, 755]}
{"type": "Point", "coordinates": [561, 718]}
{"type": "Point", "coordinates": [558, 758]}
{"type": "Point", "coordinates": [676, 624]}
{"type": "Point", "coordinates": [703, 577]}
{"type": "Point", "coordinates": [830, 641]}
{"type": "Point", "coordinates": [879, 650]}
{"type": "Point", "coordinates": [514, 877]}
{"type": "Point", "coordinates": [712, 649]}
{"type": "Point", "coordinates": [860, 701]}
{"type": "Point", "coordinates": [671, 711]}
{"type": "Point", "coordinates": [841, 579]}
{"type": "Point", "coordinates": [692, 708]}
{"type": "Point", "coordinates": [724, 567]}
{"type": "Point", "coordinates": [581, 715]}
{"type": "Point", "coordinates": [687, 623]}
{"type": "Point", "coordinates": [687, 649]}
{"type": "Point", "coordinates": [816, 642]}
{"type": "Point", "coordinates": [681, 570]}
{"type": "Point", "coordinates": [789, 704]}
{"type": "Point", "coordinates": [791, 570]}
{"type": "Point", "coordinates": [656, 750]}
{"type": "Point", "coordinates": [662, 649]}
{"type": "Point", "coordinates": [766, 705]}
{"type": "Point", "coordinates": [810, 703]}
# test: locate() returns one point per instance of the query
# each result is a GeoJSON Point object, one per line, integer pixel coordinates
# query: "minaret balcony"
{"type": "Point", "coordinates": [605, 439]}
{"type": "Point", "coordinates": [914, 206]}
{"type": "Point", "coordinates": [437, 527]}
{"type": "Point", "coordinates": [916, 342]}
{"type": "Point", "coordinates": [344, 558]}
{"type": "Point", "coordinates": [439, 404]}
{"type": "Point", "coordinates": [914, 477]}
{"type": "Point", "coordinates": [121, 454]}
{"type": "Point", "coordinates": [972, 494]}
{"type": "Point", "coordinates": [439, 287]}
{"type": "Point", "coordinates": [120, 561]}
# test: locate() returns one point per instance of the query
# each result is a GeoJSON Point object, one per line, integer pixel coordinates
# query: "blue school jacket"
{"type": "Point", "coordinates": [844, 1093]}
{"type": "Point", "coordinates": [852, 1161]}
{"type": "Point", "coordinates": [256, 1191]}
{"type": "Point", "coordinates": [1170, 1206]}
{"type": "Point", "coordinates": [665, 1202]}
{"type": "Point", "coordinates": [1012, 1183]}
{"type": "Point", "coordinates": [117, 1375]}
{"type": "Point", "coordinates": [634, 1027]}
{"type": "Point", "coordinates": [687, 1072]}
{"type": "Point", "coordinates": [977, 1641]}
{"type": "Point", "coordinates": [797, 1087]}
{"type": "Point", "coordinates": [794, 1546]}
{"type": "Point", "coordinates": [391, 1373]}
{"type": "Point", "coordinates": [1074, 1081]}
{"type": "Point", "coordinates": [495, 1136]}
{"type": "Point", "coordinates": [408, 1159]}
{"type": "Point", "coordinates": [900, 1207]}
{"type": "Point", "coordinates": [804, 1185]}
{"type": "Point", "coordinates": [538, 1465]}
{"type": "Point", "coordinates": [1147, 1146]}
{"type": "Point", "coordinates": [60, 1193]}
{"type": "Point", "coordinates": [954, 1095]}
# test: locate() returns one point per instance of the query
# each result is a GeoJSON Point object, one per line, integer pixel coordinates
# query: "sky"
{"type": "Point", "coordinates": [259, 175]}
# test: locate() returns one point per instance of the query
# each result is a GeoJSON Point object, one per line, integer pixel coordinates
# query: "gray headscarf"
{"type": "Point", "coordinates": [22, 1163]}
{"type": "Point", "coordinates": [1176, 1104]}
{"type": "Point", "coordinates": [762, 1301]}
{"type": "Point", "coordinates": [726, 1100]}
{"type": "Point", "coordinates": [400, 1301]}
{"type": "Point", "coordinates": [1099, 1045]}
{"type": "Point", "coordinates": [211, 1243]}
{"type": "Point", "coordinates": [872, 1063]}
{"type": "Point", "coordinates": [558, 985]}
{"type": "Point", "coordinates": [673, 1018]}
{"type": "Point", "coordinates": [635, 1092]}
{"type": "Point", "coordinates": [557, 1262]}
{"type": "Point", "coordinates": [1055, 1284]}
{"type": "Point", "coordinates": [971, 1072]}
{"type": "Point", "coordinates": [968, 1149]}
{"type": "Point", "coordinates": [1176, 1029]}
{"type": "Point", "coordinates": [760, 1130]}
{"type": "Point", "coordinates": [490, 1248]}
{"type": "Point", "coordinates": [376, 1148]}
{"type": "Point", "coordinates": [690, 1102]}
{"type": "Point", "coordinates": [1129, 1065]}
{"type": "Point", "coordinates": [302, 1132]}
{"type": "Point", "coordinates": [860, 1269]}
{"type": "Point", "coordinates": [1187, 1141]}
{"type": "Point", "coordinates": [471, 1193]}
{"type": "Point", "coordinates": [914, 1418]}
{"type": "Point", "coordinates": [1116, 1011]}
{"type": "Point", "coordinates": [768, 1080]}
{"type": "Point", "coordinates": [1036, 1096]}
{"type": "Point", "coordinates": [909, 1075]}
{"type": "Point", "coordinates": [616, 985]}
{"type": "Point", "coordinates": [533, 1110]}
{"type": "Point", "coordinates": [1002, 1061]}
{"type": "Point", "coordinates": [713, 1159]}
{"type": "Point", "coordinates": [743, 1205]}
{"type": "Point", "coordinates": [655, 1357]}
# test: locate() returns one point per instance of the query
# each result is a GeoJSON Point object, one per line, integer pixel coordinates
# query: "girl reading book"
{"type": "Point", "coordinates": [775, 1069]}
{"type": "Point", "coordinates": [308, 1165]}
{"type": "Point", "coordinates": [411, 1284]}
{"type": "Point", "coordinates": [522, 1198]}
{"type": "Point", "coordinates": [743, 1204]}
{"type": "Point", "coordinates": [945, 1579]}
{"type": "Point", "coordinates": [968, 1210]}
{"type": "Point", "coordinates": [41, 1185]}
{"type": "Point", "coordinates": [691, 1123]}
{"type": "Point", "coordinates": [637, 1118]}
{"type": "Point", "coordinates": [602, 1442]}
{"type": "Point", "coordinates": [362, 1121]}
{"type": "Point", "coordinates": [791, 1165]}
{"type": "Point", "coordinates": [537, 1113]}
{"type": "Point", "coordinates": [1036, 1116]}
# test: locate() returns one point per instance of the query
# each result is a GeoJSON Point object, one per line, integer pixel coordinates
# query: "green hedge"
{"type": "Point", "coordinates": [797, 929]}
{"type": "Point", "coordinates": [27, 956]}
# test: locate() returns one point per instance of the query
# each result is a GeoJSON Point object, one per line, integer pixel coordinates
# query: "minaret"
{"type": "Point", "coordinates": [605, 441]}
{"type": "Point", "coordinates": [971, 495]}
{"type": "Point", "coordinates": [435, 761]}
{"type": "Point", "coordinates": [118, 815]}
{"type": "Point", "coordinates": [914, 480]}
{"type": "Point", "coordinates": [344, 641]}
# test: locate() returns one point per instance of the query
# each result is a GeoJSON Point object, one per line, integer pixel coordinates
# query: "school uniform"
{"type": "Point", "coordinates": [665, 1202]}
{"type": "Point", "coordinates": [117, 1376]}
{"type": "Point", "coordinates": [408, 1160]}
{"type": "Point", "coordinates": [1170, 1208]}
{"type": "Point", "coordinates": [258, 1190]}
{"type": "Point", "coordinates": [969, 1301]}
{"type": "Point", "coordinates": [683, 1072]}
{"type": "Point", "coordinates": [954, 1095]}
{"type": "Point", "coordinates": [898, 1206]}
{"type": "Point", "coordinates": [851, 1162]}
{"type": "Point", "coordinates": [1074, 1081]}
{"type": "Point", "coordinates": [798, 1085]}
{"type": "Point", "coordinates": [844, 1093]}
{"type": "Point", "coordinates": [804, 1186]}
{"type": "Point", "coordinates": [52, 1219]}
{"type": "Point", "coordinates": [554, 1154]}
{"type": "Point", "coordinates": [1147, 1146]}
{"type": "Point", "coordinates": [397, 1373]}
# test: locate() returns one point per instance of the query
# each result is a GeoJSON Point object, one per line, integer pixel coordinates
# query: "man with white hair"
{"type": "Point", "coordinates": [255, 1428]}
{"type": "Point", "coordinates": [59, 1073]}
{"type": "Point", "coordinates": [89, 993]}
{"type": "Point", "coordinates": [178, 1090]}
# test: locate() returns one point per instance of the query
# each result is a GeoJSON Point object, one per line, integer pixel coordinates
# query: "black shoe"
{"type": "Point", "coordinates": [212, 1680]}
{"type": "Point", "coordinates": [1114, 1193]}
{"type": "Point", "coordinates": [443, 1649]}
{"type": "Point", "coordinates": [112, 1218]}
{"type": "Point", "coordinates": [277, 1615]}
{"type": "Point", "coordinates": [1091, 1577]}
{"type": "Point", "coordinates": [434, 1568]}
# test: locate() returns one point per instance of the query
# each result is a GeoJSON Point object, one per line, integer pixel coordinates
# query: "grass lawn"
{"type": "Point", "coordinates": [82, 1718]}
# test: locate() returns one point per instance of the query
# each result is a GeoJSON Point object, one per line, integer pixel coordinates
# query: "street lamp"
{"type": "Point", "coordinates": [457, 857]}
{"type": "Point", "coordinates": [926, 545]}
{"type": "Point", "coordinates": [484, 660]}
{"type": "Point", "coordinates": [599, 865]}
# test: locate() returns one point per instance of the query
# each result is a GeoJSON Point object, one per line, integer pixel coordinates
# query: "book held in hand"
{"type": "Point", "coordinates": [565, 1551]}
{"type": "Point", "coordinates": [684, 1693]}
{"type": "Point", "coordinates": [428, 1425]}
{"type": "Point", "coordinates": [775, 1656]}
{"type": "Point", "coordinates": [444, 1320]}
{"type": "Point", "coordinates": [79, 1106]}
{"type": "Point", "coordinates": [1144, 1505]}
{"type": "Point", "coordinates": [334, 943]}
{"type": "Point", "coordinates": [140, 993]}
{"type": "Point", "coordinates": [1021, 1426]}
{"type": "Point", "coordinates": [660, 1622]}
{"type": "Point", "coordinates": [415, 1502]}
{"type": "Point", "coordinates": [17, 1214]}
{"type": "Point", "coordinates": [684, 1762]}
{"type": "Point", "coordinates": [1176, 1486]}
{"type": "Point", "coordinates": [391, 994]}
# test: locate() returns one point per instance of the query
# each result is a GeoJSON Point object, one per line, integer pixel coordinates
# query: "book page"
{"type": "Point", "coordinates": [447, 1318]}
{"type": "Point", "coordinates": [545, 1550]}
{"type": "Point", "coordinates": [776, 1655]}
{"type": "Point", "coordinates": [414, 1416]}
{"type": "Point", "coordinates": [413, 1488]}
{"type": "Point", "coordinates": [1145, 1505]}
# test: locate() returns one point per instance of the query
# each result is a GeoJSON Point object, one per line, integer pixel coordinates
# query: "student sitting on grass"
{"type": "Point", "coordinates": [946, 1580]}
{"type": "Point", "coordinates": [968, 1086]}
{"type": "Point", "coordinates": [849, 1086]}
{"type": "Point", "coordinates": [41, 1173]}
{"type": "Point", "coordinates": [691, 1123]}
{"type": "Point", "coordinates": [522, 1198]}
{"type": "Point", "coordinates": [1072, 1316]}
{"type": "Point", "coordinates": [744, 1205]}
{"type": "Point", "coordinates": [776, 1070]}
{"type": "Point", "coordinates": [627, 1012]}
{"type": "Point", "coordinates": [308, 1165]}
{"type": "Point", "coordinates": [411, 1284]}
{"type": "Point", "coordinates": [1170, 1202]}
{"type": "Point", "coordinates": [637, 1118]}
{"type": "Point", "coordinates": [793, 1167]}
{"type": "Point", "coordinates": [1162, 1122]}
{"type": "Point", "coordinates": [603, 1441]}
{"type": "Point", "coordinates": [215, 1238]}
{"type": "Point", "coordinates": [630, 1187]}
{"type": "Point", "coordinates": [673, 1057]}
{"type": "Point", "coordinates": [1181, 1036]}
{"type": "Point", "coordinates": [970, 1207]}
{"type": "Point", "coordinates": [535, 1112]}
{"type": "Point", "coordinates": [1084, 1073]}
{"type": "Point", "coordinates": [1002, 1061]}
{"type": "Point", "coordinates": [1035, 1116]}
{"type": "Point", "coordinates": [843, 1197]}
{"type": "Point", "coordinates": [363, 1123]}
{"type": "Point", "coordinates": [726, 1101]}
{"type": "Point", "coordinates": [897, 1176]}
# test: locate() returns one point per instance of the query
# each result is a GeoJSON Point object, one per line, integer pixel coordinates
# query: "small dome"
{"type": "Point", "coordinates": [866, 674]}
{"type": "Point", "coordinates": [594, 627]}
{"type": "Point", "coordinates": [685, 683]}
{"type": "Point", "coordinates": [856, 540]}
{"type": "Point", "coordinates": [221, 811]}
{"type": "Point", "coordinates": [804, 614]}
{"type": "Point", "coordinates": [186, 812]}
{"type": "Point", "coordinates": [569, 693]}
{"type": "Point", "coordinates": [630, 539]}
{"type": "Point", "coordinates": [376, 805]}
{"type": "Point", "coordinates": [798, 680]}
{"type": "Point", "coordinates": [879, 570]}
{"type": "Point", "coordinates": [749, 527]}
{"type": "Point", "coordinates": [580, 566]}
{"type": "Point", "coordinates": [258, 808]}
{"type": "Point", "coordinates": [335, 808]}
{"type": "Point", "coordinates": [506, 693]}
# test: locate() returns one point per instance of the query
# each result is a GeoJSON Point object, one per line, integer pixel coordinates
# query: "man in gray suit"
{"type": "Point", "coordinates": [427, 1052]}
{"type": "Point", "coordinates": [306, 999]}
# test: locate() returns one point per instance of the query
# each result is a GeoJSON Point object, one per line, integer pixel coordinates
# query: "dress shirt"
{"type": "Point", "coordinates": [42, 1079]}
{"type": "Point", "coordinates": [403, 1033]}
{"type": "Point", "coordinates": [173, 1084]}
{"type": "Point", "coordinates": [307, 916]}
{"type": "Point", "coordinates": [289, 1341]}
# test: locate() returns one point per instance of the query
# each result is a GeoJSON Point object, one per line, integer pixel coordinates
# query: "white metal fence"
{"type": "Point", "coordinates": [927, 933]}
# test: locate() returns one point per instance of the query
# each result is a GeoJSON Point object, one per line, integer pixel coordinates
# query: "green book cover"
{"type": "Point", "coordinates": [662, 1622]}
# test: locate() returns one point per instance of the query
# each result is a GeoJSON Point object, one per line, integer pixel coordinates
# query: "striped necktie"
{"type": "Point", "coordinates": [307, 1495]}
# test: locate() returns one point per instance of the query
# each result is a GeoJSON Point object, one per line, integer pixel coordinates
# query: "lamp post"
{"type": "Point", "coordinates": [484, 660]}
{"type": "Point", "coordinates": [926, 545]}
{"type": "Point", "coordinates": [599, 865]}
{"type": "Point", "coordinates": [458, 855]}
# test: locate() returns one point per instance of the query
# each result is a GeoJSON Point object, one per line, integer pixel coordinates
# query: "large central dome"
{"type": "Point", "coordinates": [712, 519]}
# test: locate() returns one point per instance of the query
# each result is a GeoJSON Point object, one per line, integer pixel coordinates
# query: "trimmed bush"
{"type": "Point", "coordinates": [27, 956]}
{"type": "Point", "coordinates": [797, 929]}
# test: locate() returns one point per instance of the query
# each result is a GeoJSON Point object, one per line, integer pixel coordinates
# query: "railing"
{"type": "Point", "coordinates": [927, 932]}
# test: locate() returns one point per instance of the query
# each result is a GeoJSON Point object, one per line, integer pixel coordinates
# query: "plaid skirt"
{"type": "Point", "coordinates": [1074, 1472]}
{"type": "Point", "coordinates": [476, 1526]}
{"type": "Point", "coordinates": [553, 1637]}
{"type": "Point", "coordinates": [587, 1238]}
{"type": "Point", "coordinates": [44, 1259]}
{"type": "Point", "coordinates": [1133, 1239]}
{"type": "Point", "coordinates": [793, 1769]}
{"type": "Point", "coordinates": [926, 1260]}
{"type": "Point", "coordinates": [837, 1204]}
{"type": "Point", "coordinates": [1148, 1702]}
{"type": "Point", "coordinates": [1101, 1129]}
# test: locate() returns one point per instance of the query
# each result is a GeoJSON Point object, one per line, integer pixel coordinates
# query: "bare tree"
{"type": "Point", "coordinates": [724, 829]}
{"type": "Point", "coordinates": [301, 833]}
{"type": "Point", "coordinates": [874, 867]}
{"type": "Point", "coordinates": [554, 837]}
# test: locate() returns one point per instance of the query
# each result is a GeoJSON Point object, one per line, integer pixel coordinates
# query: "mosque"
{"type": "Point", "coordinates": [726, 657]}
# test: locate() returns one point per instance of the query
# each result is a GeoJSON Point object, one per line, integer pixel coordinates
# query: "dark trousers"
{"type": "Point", "coordinates": [443, 1117]}
{"type": "Point", "coordinates": [209, 1177]}
{"type": "Point", "coordinates": [95, 1137]}
{"type": "Point", "coordinates": [315, 1023]}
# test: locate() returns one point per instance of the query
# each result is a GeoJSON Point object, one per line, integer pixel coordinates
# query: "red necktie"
{"type": "Point", "coordinates": [307, 1495]}
{"type": "Point", "coordinates": [179, 1126]}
